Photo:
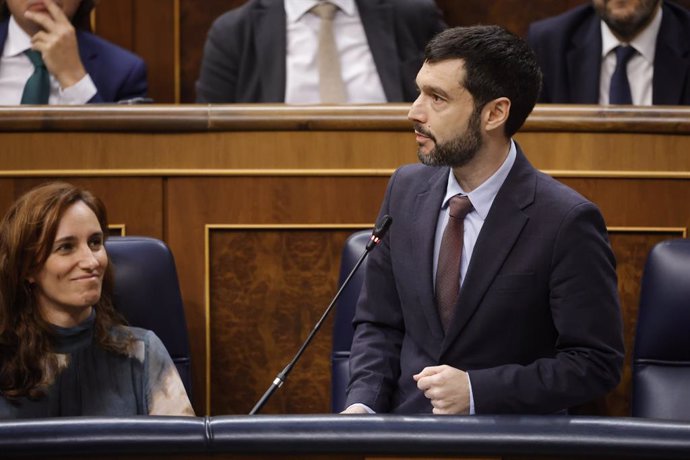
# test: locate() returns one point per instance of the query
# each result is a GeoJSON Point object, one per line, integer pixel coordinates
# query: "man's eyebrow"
{"type": "Point", "coordinates": [435, 90]}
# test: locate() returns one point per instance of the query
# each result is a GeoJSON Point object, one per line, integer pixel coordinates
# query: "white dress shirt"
{"type": "Point", "coordinates": [16, 68]}
{"type": "Point", "coordinates": [640, 66]}
{"type": "Point", "coordinates": [361, 79]}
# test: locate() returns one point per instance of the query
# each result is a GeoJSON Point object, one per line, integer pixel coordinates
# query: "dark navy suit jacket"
{"type": "Point", "coordinates": [244, 55]}
{"type": "Point", "coordinates": [538, 324]}
{"type": "Point", "coordinates": [568, 49]}
{"type": "Point", "coordinates": [117, 73]}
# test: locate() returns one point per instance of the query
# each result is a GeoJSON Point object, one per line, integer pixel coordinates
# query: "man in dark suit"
{"type": "Point", "coordinates": [248, 51]}
{"type": "Point", "coordinates": [576, 52]}
{"type": "Point", "coordinates": [529, 319]}
{"type": "Point", "coordinates": [82, 67]}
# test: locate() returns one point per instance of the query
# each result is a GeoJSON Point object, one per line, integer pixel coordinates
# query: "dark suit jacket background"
{"type": "Point", "coordinates": [538, 325]}
{"type": "Point", "coordinates": [244, 55]}
{"type": "Point", "coordinates": [568, 49]}
{"type": "Point", "coordinates": [117, 73]}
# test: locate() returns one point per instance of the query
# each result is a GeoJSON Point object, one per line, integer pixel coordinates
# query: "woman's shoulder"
{"type": "Point", "coordinates": [120, 332]}
{"type": "Point", "coordinates": [142, 341]}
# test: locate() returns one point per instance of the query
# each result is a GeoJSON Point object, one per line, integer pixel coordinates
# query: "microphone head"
{"type": "Point", "coordinates": [379, 232]}
{"type": "Point", "coordinates": [383, 226]}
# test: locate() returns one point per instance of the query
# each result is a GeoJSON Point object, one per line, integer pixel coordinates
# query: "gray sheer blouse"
{"type": "Point", "coordinates": [93, 381]}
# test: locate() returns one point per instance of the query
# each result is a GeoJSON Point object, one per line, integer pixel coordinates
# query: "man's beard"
{"type": "Point", "coordinates": [458, 151]}
{"type": "Point", "coordinates": [628, 28]}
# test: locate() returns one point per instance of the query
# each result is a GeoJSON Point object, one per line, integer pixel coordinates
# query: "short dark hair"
{"type": "Point", "coordinates": [497, 63]}
{"type": "Point", "coordinates": [81, 19]}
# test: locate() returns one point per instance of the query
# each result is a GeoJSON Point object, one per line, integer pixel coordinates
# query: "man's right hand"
{"type": "Point", "coordinates": [57, 42]}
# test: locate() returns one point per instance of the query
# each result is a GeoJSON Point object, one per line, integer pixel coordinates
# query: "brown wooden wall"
{"type": "Point", "coordinates": [170, 34]}
{"type": "Point", "coordinates": [256, 201]}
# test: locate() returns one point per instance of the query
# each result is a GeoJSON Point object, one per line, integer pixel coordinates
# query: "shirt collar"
{"type": "Point", "coordinates": [71, 339]}
{"type": "Point", "coordinates": [483, 196]}
{"type": "Point", "coordinates": [644, 43]}
{"type": "Point", "coordinates": [295, 9]}
{"type": "Point", "coordinates": [17, 41]}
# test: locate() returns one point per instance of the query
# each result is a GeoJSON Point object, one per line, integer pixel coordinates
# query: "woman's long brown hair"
{"type": "Point", "coordinates": [27, 234]}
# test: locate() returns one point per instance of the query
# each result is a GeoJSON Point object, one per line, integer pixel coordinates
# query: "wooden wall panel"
{"type": "Point", "coordinates": [147, 28]}
{"type": "Point", "coordinates": [514, 15]}
{"type": "Point", "coordinates": [135, 203]}
{"type": "Point", "coordinates": [274, 201]}
{"type": "Point", "coordinates": [644, 152]}
{"type": "Point", "coordinates": [292, 274]}
{"type": "Point", "coordinates": [629, 202]}
{"type": "Point", "coordinates": [114, 20]}
{"type": "Point", "coordinates": [155, 40]}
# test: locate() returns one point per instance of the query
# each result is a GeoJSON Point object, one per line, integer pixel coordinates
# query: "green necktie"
{"type": "Point", "coordinates": [37, 88]}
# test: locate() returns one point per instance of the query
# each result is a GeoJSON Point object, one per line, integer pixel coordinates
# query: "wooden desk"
{"type": "Point", "coordinates": [256, 201]}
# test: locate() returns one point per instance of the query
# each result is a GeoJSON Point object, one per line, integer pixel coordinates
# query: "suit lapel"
{"type": "Point", "coordinates": [425, 212]}
{"type": "Point", "coordinates": [670, 62]}
{"type": "Point", "coordinates": [378, 21]}
{"type": "Point", "coordinates": [268, 24]}
{"type": "Point", "coordinates": [502, 227]}
{"type": "Point", "coordinates": [4, 25]}
{"type": "Point", "coordinates": [584, 63]}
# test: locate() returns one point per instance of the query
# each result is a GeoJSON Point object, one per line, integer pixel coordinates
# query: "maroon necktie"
{"type": "Point", "coordinates": [449, 257]}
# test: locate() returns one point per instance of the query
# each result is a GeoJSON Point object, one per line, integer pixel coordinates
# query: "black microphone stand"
{"type": "Point", "coordinates": [376, 237]}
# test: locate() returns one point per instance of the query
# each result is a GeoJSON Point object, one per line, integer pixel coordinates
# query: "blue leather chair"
{"type": "Point", "coordinates": [345, 310]}
{"type": "Point", "coordinates": [147, 293]}
{"type": "Point", "coordinates": [661, 357]}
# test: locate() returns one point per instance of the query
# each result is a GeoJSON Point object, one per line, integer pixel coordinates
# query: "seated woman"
{"type": "Point", "coordinates": [64, 350]}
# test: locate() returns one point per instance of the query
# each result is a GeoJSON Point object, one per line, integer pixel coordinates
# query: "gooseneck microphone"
{"type": "Point", "coordinates": [376, 236]}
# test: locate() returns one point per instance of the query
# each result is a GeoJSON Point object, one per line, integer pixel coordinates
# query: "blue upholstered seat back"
{"type": "Point", "coordinates": [661, 358]}
{"type": "Point", "coordinates": [147, 293]}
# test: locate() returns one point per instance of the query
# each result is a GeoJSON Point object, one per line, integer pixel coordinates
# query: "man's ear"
{"type": "Point", "coordinates": [496, 114]}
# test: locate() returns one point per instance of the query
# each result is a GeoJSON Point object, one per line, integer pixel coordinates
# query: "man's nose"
{"type": "Point", "coordinates": [416, 113]}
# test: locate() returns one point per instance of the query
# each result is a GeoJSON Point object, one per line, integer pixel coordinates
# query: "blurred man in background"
{"type": "Point", "coordinates": [45, 60]}
{"type": "Point", "coordinates": [310, 51]}
{"type": "Point", "coordinates": [615, 52]}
